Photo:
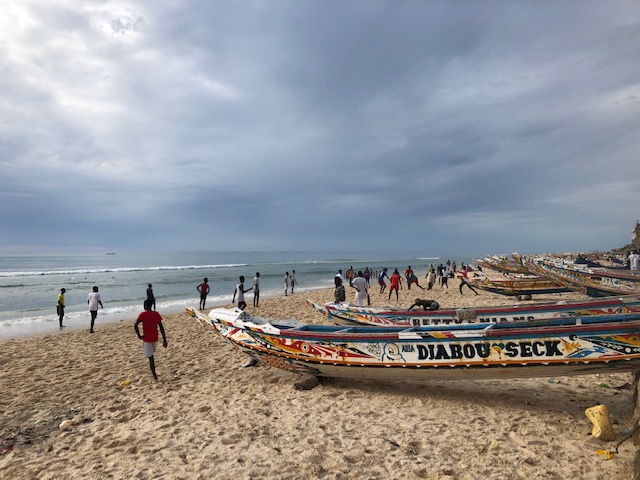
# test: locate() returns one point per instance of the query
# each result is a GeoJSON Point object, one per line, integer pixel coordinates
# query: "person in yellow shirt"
{"type": "Point", "coordinates": [60, 306]}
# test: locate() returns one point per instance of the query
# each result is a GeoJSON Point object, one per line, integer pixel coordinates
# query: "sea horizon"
{"type": "Point", "coordinates": [30, 282]}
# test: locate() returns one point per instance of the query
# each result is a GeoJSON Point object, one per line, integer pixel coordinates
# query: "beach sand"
{"type": "Point", "coordinates": [208, 417]}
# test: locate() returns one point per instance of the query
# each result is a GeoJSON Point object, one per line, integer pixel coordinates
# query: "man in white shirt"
{"type": "Point", "coordinates": [360, 284]}
{"type": "Point", "coordinates": [94, 300]}
{"type": "Point", "coordinates": [634, 261]}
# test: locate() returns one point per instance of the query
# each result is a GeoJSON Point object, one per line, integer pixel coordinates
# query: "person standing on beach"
{"type": "Point", "coordinates": [151, 321]}
{"type": "Point", "coordinates": [634, 260]}
{"type": "Point", "coordinates": [204, 290]}
{"type": "Point", "coordinates": [360, 284]}
{"type": "Point", "coordinates": [381, 277]}
{"type": "Point", "coordinates": [339, 293]}
{"type": "Point", "coordinates": [256, 289]}
{"type": "Point", "coordinates": [151, 297]}
{"type": "Point", "coordinates": [60, 306]}
{"type": "Point", "coordinates": [240, 291]}
{"type": "Point", "coordinates": [350, 274]}
{"type": "Point", "coordinates": [396, 283]}
{"type": "Point", "coordinates": [286, 283]}
{"type": "Point", "coordinates": [94, 300]}
{"type": "Point", "coordinates": [431, 278]}
{"type": "Point", "coordinates": [445, 278]}
{"type": "Point", "coordinates": [292, 279]}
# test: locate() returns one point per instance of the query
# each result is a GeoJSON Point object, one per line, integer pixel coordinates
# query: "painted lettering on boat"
{"type": "Point", "coordinates": [454, 321]}
{"type": "Point", "coordinates": [454, 351]}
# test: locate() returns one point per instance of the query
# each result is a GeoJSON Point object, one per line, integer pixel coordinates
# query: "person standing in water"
{"type": "Point", "coordinates": [151, 297]}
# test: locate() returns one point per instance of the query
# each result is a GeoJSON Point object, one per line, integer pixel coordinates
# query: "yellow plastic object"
{"type": "Point", "coordinates": [602, 427]}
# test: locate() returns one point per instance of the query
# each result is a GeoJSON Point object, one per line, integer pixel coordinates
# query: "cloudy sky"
{"type": "Point", "coordinates": [435, 126]}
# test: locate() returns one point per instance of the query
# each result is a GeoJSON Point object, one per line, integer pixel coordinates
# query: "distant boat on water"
{"type": "Point", "coordinates": [111, 253]}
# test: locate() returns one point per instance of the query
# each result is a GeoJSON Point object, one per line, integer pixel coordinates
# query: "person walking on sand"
{"type": "Point", "coordinates": [339, 293]}
{"type": "Point", "coordinates": [292, 279]}
{"type": "Point", "coordinates": [240, 291]}
{"type": "Point", "coordinates": [464, 280]}
{"type": "Point", "coordinates": [381, 277]}
{"type": "Point", "coordinates": [151, 321]}
{"type": "Point", "coordinates": [60, 306]}
{"type": "Point", "coordinates": [204, 290]}
{"type": "Point", "coordinates": [93, 300]}
{"type": "Point", "coordinates": [407, 275]}
{"type": "Point", "coordinates": [151, 297]}
{"type": "Point", "coordinates": [360, 284]}
{"type": "Point", "coordinates": [286, 283]}
{"type": "Point", "coordinates": [414, 279]}
{"type": "Point", "coordinates": [395, 284]}
{"type": "Point", "coordinates": [256, 289]}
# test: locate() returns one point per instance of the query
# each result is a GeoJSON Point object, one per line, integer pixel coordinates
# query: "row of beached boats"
{"type": "Point", "coordinates": [529, 275]}
{"type": "Point", "coordinates": [544, 339]}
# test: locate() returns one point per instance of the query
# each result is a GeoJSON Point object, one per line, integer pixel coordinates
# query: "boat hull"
{"type": "Point", "coordinates": [580, 346]}
{"type": "Point", "coordinates": [348, 314]}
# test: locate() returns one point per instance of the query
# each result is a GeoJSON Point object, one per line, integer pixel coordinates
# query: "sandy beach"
{"type": "Point", "coordinates": [207, 417]}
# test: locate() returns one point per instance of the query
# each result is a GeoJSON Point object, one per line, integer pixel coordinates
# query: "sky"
{"type": "Point", "coordinates": [475, 127]}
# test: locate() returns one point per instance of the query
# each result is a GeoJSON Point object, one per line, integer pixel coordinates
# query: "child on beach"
{"type": "Point", "coordinates": [151, 321]}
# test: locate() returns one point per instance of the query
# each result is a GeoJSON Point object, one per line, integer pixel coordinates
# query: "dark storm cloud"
{"type": "Point", "coordinates": [480, 127]}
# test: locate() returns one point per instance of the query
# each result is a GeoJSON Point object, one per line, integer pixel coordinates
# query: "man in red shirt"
{"type": "Point", "coordinates": [151, 321]}
{"type": "Point", "coordinates": [395, 283]}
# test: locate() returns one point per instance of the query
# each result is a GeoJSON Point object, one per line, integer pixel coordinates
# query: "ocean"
{"type": "Point", "coordinates": [29, 284]}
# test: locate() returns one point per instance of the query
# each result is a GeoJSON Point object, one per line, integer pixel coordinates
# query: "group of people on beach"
{"type": "Point", "coordinates": [150, 319]}
{"type": "Point", "coordinates": [360, 282]}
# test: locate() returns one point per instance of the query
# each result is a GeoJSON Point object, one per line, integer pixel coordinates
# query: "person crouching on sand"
{"type": "Point", "coordinates": [151, 321]}
{"type": "Point", "coordinates": [425, 304]}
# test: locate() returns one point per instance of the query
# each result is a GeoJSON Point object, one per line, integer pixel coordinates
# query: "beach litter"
{"type": "Point", "coordinates": [602, 426]}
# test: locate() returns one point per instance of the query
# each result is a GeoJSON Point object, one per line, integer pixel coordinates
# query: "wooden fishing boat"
{"type": "Point", "coordinates": [566, 346]}
{"type": "Point", "coordinates": [348, 314]}
{"type": "Point", "coordinates": [501, 264]}
{"type": "Point", "coordinates": [519, 286]}
{"type": "Point", "coordinates": [585, 280]}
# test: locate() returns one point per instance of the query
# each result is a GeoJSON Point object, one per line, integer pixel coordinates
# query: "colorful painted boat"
{"type": "Point", "coordinates": [519, 286]}
{"type": "Point", "coordinates": [348, 314]}
{"type": "Point", "coordinates": [566, 346]}
{"type": "Point", "coordinates": [585, 280]}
